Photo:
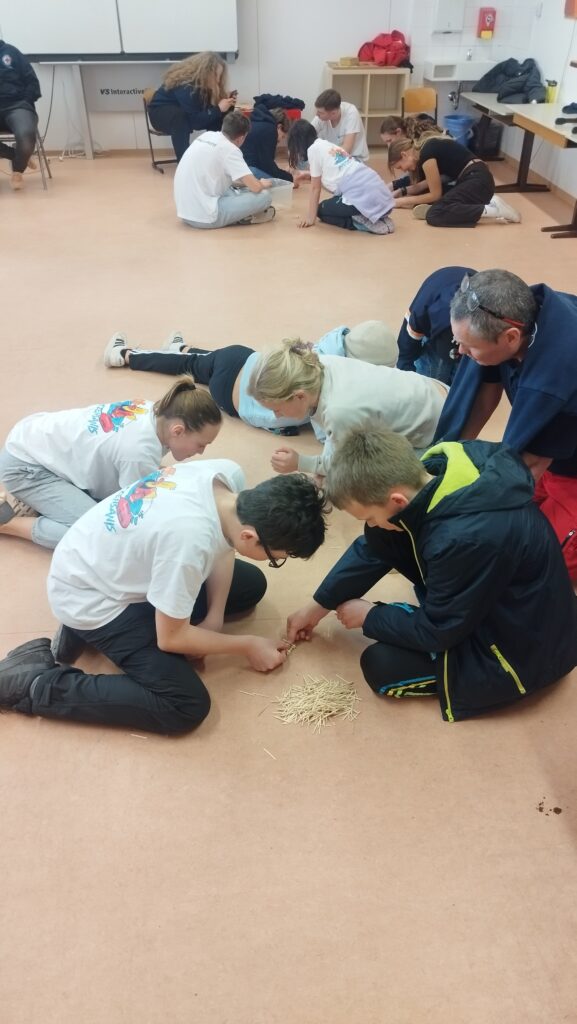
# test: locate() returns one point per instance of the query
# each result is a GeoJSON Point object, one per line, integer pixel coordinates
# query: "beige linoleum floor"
{"type": "Point", "coordinates": [394, 870]}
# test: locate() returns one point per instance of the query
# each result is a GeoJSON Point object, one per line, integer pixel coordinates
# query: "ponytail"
{"type": "Point", "coordinates": [294, 367]}
{"type": "Point", "coordinates": [184, 401]}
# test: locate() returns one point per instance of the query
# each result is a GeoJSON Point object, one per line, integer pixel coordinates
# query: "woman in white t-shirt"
{"type": "Point", "coordinates": [341, 393]}
{"type": "Point", "coordinates": [55, 466]}
{"type": "Point", "coordinates": [361, 200]}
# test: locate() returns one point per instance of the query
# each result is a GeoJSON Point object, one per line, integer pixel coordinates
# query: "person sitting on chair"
{"type": "Point", "coordinates": [192, 98]}
{"type": "Point", "coordinates": [19, 90]}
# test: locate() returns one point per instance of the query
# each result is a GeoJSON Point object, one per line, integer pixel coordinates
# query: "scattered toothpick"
{"type": "Point", "coordinates": [269, 753]}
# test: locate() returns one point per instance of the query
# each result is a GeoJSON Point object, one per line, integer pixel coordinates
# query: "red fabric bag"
{"type": "Point", "coordinates": [556, 496]}
{"type": "Point", "coordinates": [388, 49]}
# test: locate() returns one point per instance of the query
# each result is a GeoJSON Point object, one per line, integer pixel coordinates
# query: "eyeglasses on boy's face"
{"type": "Point", "coordinates": [473, 304]}
{"type": "Point", "coordinates": [274, 563]}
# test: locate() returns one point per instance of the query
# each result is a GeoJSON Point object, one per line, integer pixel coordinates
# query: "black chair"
{"type": "Point", "coordinates": [157, 164]}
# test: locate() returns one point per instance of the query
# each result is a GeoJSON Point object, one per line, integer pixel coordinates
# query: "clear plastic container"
{"type": "Point", "coordinates": [282, 194]}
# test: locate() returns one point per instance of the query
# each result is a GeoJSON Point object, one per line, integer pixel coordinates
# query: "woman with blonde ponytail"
{"type": "Point", "coordinates": [337, 394]}
{"type": "Point", "coordinates": [55, 466]}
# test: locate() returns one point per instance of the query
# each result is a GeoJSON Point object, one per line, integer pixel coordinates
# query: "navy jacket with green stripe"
{"type": "Point", "coordinates": [497, 608]}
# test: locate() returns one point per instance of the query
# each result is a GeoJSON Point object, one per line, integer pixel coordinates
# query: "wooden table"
{"type": "Point", "coordinates": [539, 119]}
{"type": "Point", "coordinates": [492, 110]}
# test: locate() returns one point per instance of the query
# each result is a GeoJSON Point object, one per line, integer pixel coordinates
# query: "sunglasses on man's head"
{"type": "Point", "coordinates": [473, 304]}
{"type": "Point", "coordinates": [274, 563]}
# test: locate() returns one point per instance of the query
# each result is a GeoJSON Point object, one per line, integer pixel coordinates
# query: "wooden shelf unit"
{"type": "Point", "coordinates": [375, 91]}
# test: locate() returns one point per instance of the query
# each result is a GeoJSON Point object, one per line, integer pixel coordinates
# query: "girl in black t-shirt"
{"type": "Point", "coordinates": [472, 197]}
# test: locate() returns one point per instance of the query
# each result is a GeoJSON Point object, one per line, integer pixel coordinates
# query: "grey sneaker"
{"type": "Point", "coordinates": [384, 226]}
{"type": "Point", "coordinates": [175, 343]}
{"type": "Point", "coordinates": [11, 506]}
{"type": "Point", "coordinates": [66, 646]}
{"type": "Point", "coordinates": [21, 667]}
{"type": "Point", "coordinates": [114, 351]}
{"type": "Point", "coordinates": [420, 212]}
{"type": "Point", "coordinates": [260, 218]}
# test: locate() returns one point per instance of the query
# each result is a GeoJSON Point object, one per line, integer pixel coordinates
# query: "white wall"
{"type": "Point", "coordinates": [284, 45]}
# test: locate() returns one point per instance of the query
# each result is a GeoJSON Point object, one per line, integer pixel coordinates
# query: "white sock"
{"type": "Point", "coordinates": [491, 211]}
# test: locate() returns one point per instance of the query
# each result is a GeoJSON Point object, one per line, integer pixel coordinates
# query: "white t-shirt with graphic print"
{"type": "Point", "coordinates": [155, 541]}
{"type": "Point", "coordinates": [99, 448]}
{"type": "Point", "coordinates": [350, 123]}
{"type": "Point", "coordinates": [330, 163]}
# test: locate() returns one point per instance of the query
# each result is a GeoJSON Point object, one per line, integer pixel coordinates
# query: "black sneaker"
{"type": "Point", "coordinates": [21, 667]}
{"type": "Point", "coordinates": [66, 645]}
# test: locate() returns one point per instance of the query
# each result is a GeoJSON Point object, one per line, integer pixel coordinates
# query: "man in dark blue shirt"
{"type": "Point", "coordinates": [521, 340]}
{"type": "Point", "coordinates": [19, 90]}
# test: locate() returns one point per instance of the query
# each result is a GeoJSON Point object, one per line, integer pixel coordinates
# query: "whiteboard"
{"type": "Point", "coordinates": [111, 28]}
{"type": "Point", "coordinates": [160, 26]}
{"type": "Point", "coordinates": [60, 26]}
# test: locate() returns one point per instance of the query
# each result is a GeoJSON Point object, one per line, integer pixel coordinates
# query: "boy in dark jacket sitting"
{"type": "Point", "coordinates": [497, 614]}
{"type": "Point", "coordinates": [267, 129]}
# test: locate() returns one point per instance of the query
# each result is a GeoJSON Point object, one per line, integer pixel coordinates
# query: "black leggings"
{"type": "Point", "coordinates": [23, 123]}
{"type": "Point", "coordinates": [158, 692]}
{"type": "Point", "coordinates": [334, 211]}
{"type": "Point", "coordinates": [217, 370]}
{"type": "Point", "coordinates": [463, 204]}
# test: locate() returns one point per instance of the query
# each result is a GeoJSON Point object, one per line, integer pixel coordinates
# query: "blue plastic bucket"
{"type": "Point", "coordinates": [460, 126]}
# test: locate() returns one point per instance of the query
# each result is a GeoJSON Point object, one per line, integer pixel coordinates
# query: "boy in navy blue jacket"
{"type": "Point", "coordinates": [19, 90]}
{"type": "Point", "coordinates": [497, 617]}
{"type": "Point", "coordinates": [267, 129]}
{"type": "Point", "coordinates": [521, 341]}
{"type": "Point", "coordinates": [425, 340]}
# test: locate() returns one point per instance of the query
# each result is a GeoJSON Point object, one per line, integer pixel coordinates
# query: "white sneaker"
{"type": "Point", "coordinates": [11, 506]}
{"type": "Point", "coordinates": [113, 353]}
{"type": "Point", "coordinates": [420, 212]}
{"type": "Point", "coordinates": [174, 343]}
{"type": "Point", "coordinates": [505, 212]}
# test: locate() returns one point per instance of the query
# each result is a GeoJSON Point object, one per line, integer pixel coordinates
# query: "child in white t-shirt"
{"type": "Point", "coordinates": [203, 191]}
{"type": "Point", "coordinates": [361, 200]}
{"type": "Point", "coordinates": [339, 394]}
{"type": "Point", "coordinates": [147, 577]}
{"type": "Point", "coordinates": [60, 464]}
{"type": "Point", "coordinates": [340, 122]}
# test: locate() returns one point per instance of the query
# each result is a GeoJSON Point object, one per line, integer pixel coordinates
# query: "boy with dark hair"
{"type": "Point", "coordinates": [497, 615]}
{"type": "Point", "coordinates": [340, 122]}
{"type": "Point", "coordinates": [147, 577]}
{"type": "Point", "coordinates": [203, 190]}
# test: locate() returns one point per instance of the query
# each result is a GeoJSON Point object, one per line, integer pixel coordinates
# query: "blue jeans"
{"type": "Point", "coordinates": [58, 501]}
{"type": "Point", "coordinates": [431, 364]}
{"type": "Point", "coordinates": [235, 206]}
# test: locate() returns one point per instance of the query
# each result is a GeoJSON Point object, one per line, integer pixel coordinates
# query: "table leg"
{"type": "Point", "coordinates": [564, 230]}
{"type": "Point", "coordinates": [521, 184]}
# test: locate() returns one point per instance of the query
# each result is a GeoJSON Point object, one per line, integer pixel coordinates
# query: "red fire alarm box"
{"type": "Point", "coordinates": [486, 24]}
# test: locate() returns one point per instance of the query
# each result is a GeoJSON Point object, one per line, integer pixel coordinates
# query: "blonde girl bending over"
{"type": "Point", "coordinates": [55, 466]}
{"type": "Point", "coordinates": [341, 393]}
